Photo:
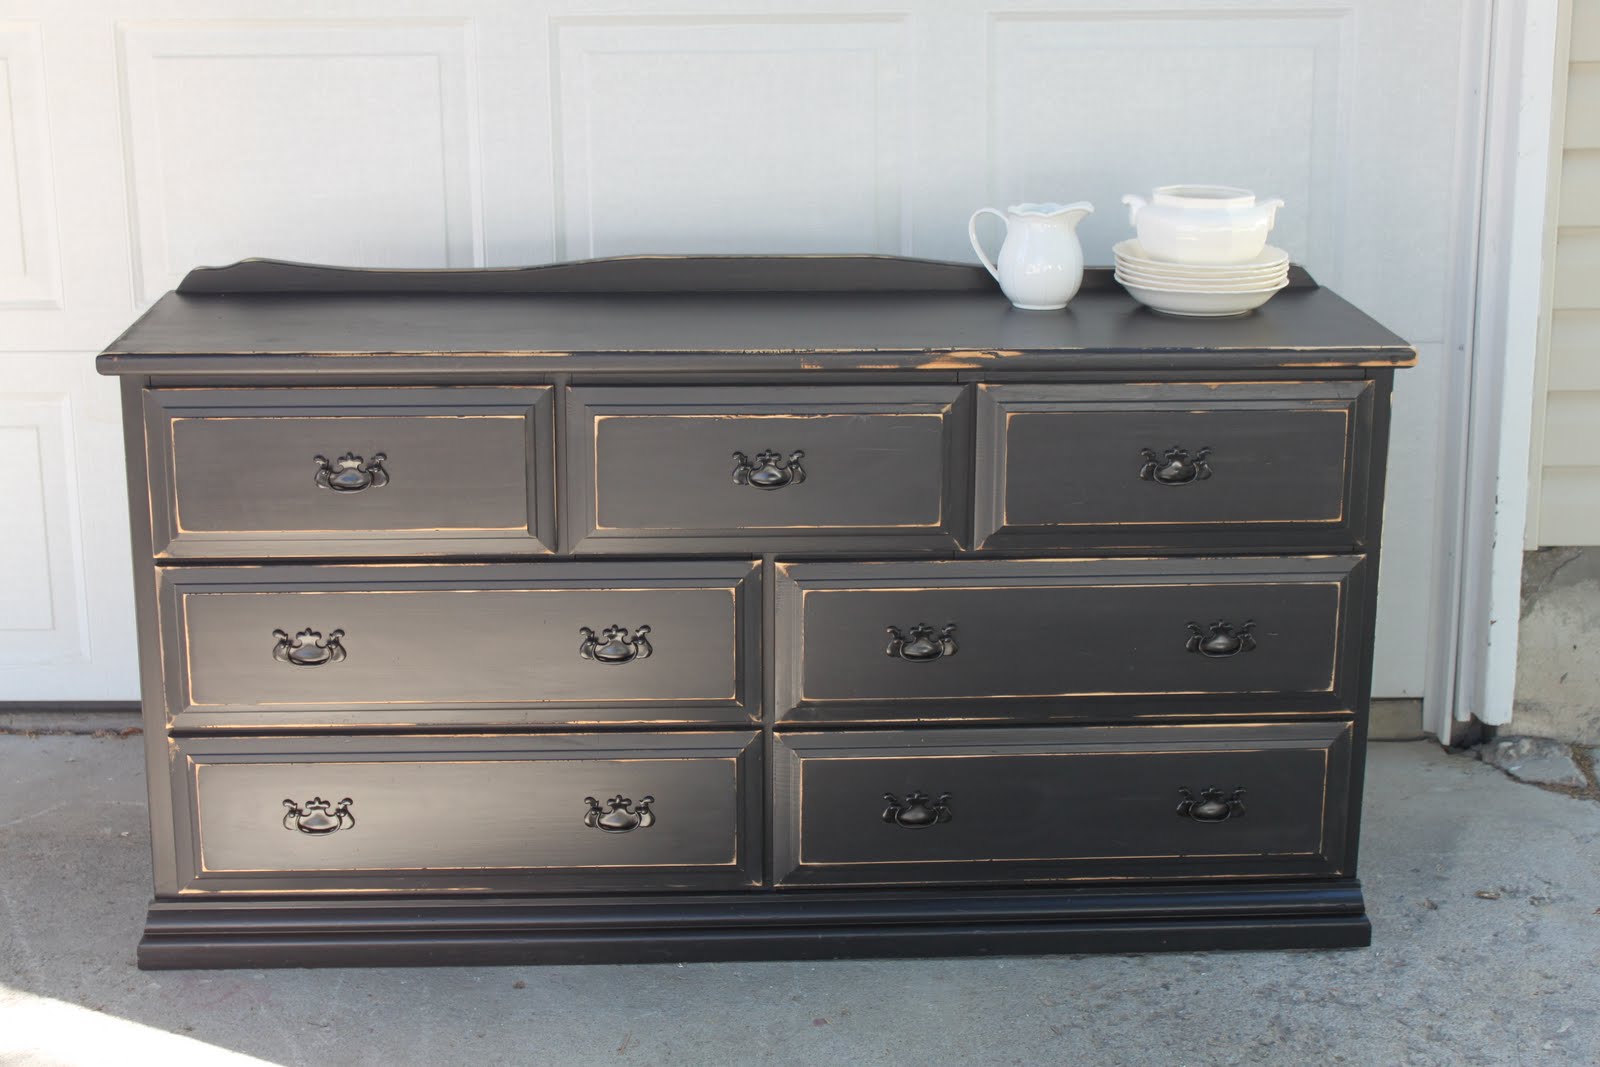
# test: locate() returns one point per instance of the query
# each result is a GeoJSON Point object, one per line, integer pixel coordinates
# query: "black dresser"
{"type": "Point", "coordinates": [715, 608]}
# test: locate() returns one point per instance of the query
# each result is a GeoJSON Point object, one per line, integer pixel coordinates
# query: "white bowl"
{"type": "Point", "coordinates": [1239, 285]}
{"type": "Point", "coordinates": [1135, 254]}
{"type": "Point", "coordinates": [1202, 223]}
{"type": "Point", "coordinates": [1200, 305]}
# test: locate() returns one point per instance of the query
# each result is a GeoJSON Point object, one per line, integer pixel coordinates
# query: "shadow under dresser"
{"type": "Point", "coordinates": [747, 607]}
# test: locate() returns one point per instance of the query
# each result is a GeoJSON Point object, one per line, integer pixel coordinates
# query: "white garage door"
{"type": "Point", "coordinates": [139, 138]}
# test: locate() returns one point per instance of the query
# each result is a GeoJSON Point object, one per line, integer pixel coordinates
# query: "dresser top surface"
{"type": "Point", "coordinates": [743, 313]}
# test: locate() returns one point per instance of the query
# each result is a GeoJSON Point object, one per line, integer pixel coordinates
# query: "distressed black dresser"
{"type": "Point", "coordinates": [662, 608]}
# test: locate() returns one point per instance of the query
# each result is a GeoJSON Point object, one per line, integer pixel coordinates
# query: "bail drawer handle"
{"type": "Point", "coordinates": [308, 648]}
{"type": "Point", "coordinates": [319, 817]}
{"type": "Point", "coordinates": [922, 643]}
{"type": "Point", "coordinates": [620, 814]}
{"type": "Point", "coordinates": [1221, 639]}
{"type": "Point", "coordinates": [1212, 805]}
{"type": "Point", "coordinates": [615, 644]}
{"type": "Point", "coordinates": [351, 473]}
{"type": "Point", "coordinates": [769, 470]}
{"type": "Point", "coordinates": [917, 810]}
{"type": "Point", "coordinates": [1175, 466]}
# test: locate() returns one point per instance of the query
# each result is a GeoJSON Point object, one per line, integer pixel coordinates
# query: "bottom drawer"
{"type": "Point", "coordinates": [1061, 804]}
{"type": "Point", "coordinates": [559, 812]}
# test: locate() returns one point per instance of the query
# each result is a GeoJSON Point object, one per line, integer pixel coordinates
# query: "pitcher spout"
{"type": "Point", "coordinates": [1072, 214]}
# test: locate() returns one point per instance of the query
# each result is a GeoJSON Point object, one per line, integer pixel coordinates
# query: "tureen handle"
{"type": "Point", "coordinates": [1135, 204]}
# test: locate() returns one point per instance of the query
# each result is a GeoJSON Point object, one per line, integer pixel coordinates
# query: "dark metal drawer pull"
{"type": "Point", "coordinates": [922, 644]}
{"type": "Point", "coordinates": [318, 816]}
{"type": "Point", "coordinates": [1212, 806]}
{"type": "Point", "coordinates": [350, 473]}
{"type": "Point", "coordinates": [622, 816]}
{"type": "Point", "coordinates": [614, 645]}
{"type": "Point", "coordinates": [917, 810]}
{"type": "Point", "coordinates": [769, 470]}
{"type": "Point", "coordinates": [308, 648]}
{"type": "Point", "coordinates": [1175, 466]}
{"type": "Point", "coordinates": [1221, 639]}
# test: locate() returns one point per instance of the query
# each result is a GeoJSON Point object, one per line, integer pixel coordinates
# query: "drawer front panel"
{"type": "Point", "coordinates": [1000, 639]}
{"type": "Point", "coordinates": [560, 810]}
{"type": "Point", "coordinates": [1277, 462]}
{"type": "Point", "coordinates": [300, 647]}
{"type": "Point", "coordinates": [1065, 803]}
{"type": "Point", "coordinates": [686, 469]}
{"type": "Point", "coordinates": [318, 472]}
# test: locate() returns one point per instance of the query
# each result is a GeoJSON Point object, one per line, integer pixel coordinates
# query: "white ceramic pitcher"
{"type": "Point", "coordinates": [1040, 265]}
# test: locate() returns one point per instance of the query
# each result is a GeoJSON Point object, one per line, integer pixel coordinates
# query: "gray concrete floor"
{"type": "Point", "coordinates": [1483, 892]}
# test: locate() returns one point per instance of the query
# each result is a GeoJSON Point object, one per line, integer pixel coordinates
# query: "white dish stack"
{"type": "Point", "coordinates": [1201, 252]}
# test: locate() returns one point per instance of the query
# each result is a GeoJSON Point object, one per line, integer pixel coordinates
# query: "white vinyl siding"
{"type": "Point", "coordinates": [1568, 437]}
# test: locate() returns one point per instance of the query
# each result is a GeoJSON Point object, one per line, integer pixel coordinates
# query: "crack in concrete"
{"type": "Point", "coordinates": [1585, 763]}
{"type": "Point", "coordinates": [32, 815]}
{"type": "Point", "coordinates": [1533, 588]}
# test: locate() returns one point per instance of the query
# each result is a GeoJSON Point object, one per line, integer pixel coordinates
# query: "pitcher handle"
{"type": "Point", "coordinates": [972, 234]}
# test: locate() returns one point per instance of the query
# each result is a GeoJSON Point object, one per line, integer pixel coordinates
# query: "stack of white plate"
{"type": "Point", "coordinates": [1200, 290]}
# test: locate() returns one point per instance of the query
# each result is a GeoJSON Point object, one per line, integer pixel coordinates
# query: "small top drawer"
{"type": "Point", "coordinates": [1243, 464]}
{"type": "Point", "coordinates": [332, 471]}
{"type": "Point", "coordinates": [828, 468]}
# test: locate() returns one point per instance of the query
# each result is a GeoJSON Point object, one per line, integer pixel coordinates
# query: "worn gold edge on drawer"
{"type": "Point", "coordinates": [201, 870]}
{"type": "Point", "coordinates": [1344, 475]}
{"type": "Point", "coordinates": [937, 524]}
{"type": "Point", "coordinates": [239, 534]}
{"type": "Point", "coordinates": [733, 592]}
{"type": "Point", "coordinates": [800, 809]}
{"type": "Point", "coordinates": [1333, 674]}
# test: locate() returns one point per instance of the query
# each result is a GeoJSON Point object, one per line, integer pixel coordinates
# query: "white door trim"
{"type": "Point", "coordinates": [1474, 667]}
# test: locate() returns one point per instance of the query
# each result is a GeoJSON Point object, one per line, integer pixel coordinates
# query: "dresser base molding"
{"type": "Point", "coordinates": [809, 925]}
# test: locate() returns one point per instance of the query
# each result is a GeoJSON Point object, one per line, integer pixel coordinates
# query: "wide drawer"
{"type": "Point", "coordinates": [1061, 804]}
{"type": "Point", "coordinates": [974, 640]}
{"type": "Point", "coordinates": [297, 647]}
{"type": "Point", "coordinates": [557, 812]}
{"type": "Point", "coordinates": [828, 468]}
{"type": "Point", "coordinates": [1239, 464]}
{"type": "Point", "coordinates": [333, 471]}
